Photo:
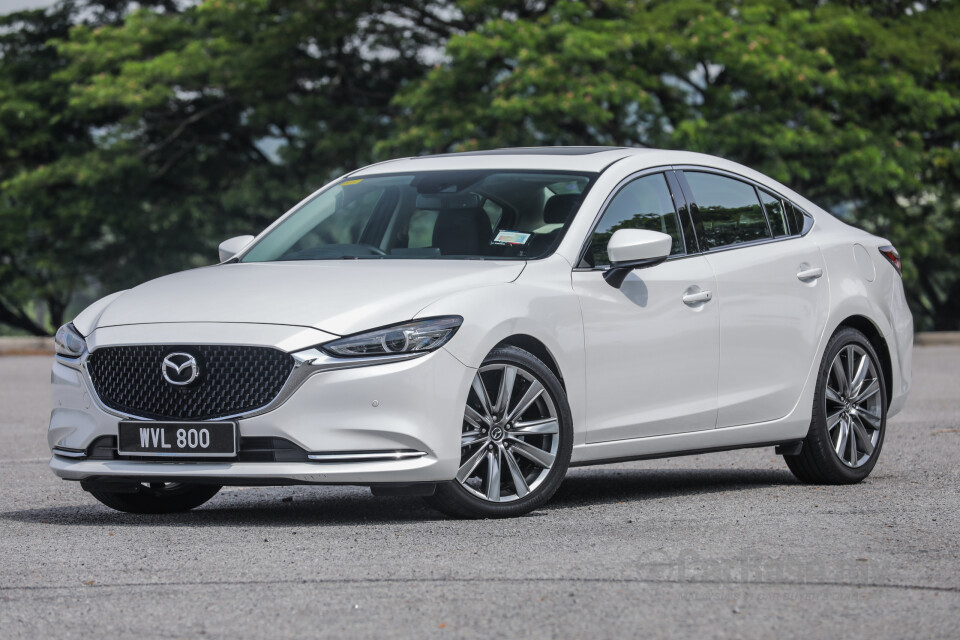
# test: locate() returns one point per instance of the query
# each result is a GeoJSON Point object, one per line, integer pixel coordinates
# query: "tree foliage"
{"type": "Point", "coordinates": [855, 104]}
{"type": "Point", "coordinates": [140, 137]}
{"type": "Point", "coordinates": [135, 136]}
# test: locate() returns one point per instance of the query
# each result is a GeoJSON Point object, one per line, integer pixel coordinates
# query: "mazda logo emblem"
{"type": "Point", "coordinates": [180, 368]}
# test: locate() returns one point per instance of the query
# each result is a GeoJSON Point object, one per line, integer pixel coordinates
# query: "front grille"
{"type": "Point", "coordinates": [232, 380]}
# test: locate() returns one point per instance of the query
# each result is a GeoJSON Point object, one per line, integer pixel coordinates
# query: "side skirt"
{"type": "Point", "coordinates": [793, 444]}
{"type": "Point", "coordinates": [785, 431]}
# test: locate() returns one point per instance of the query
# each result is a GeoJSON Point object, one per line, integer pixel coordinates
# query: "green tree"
{"type": "Point", "coordinates": [856, 104]}
{"type": "Point", "coordinates": [31, 136]}
{"type": "Point", "coordinates": [166, 128]}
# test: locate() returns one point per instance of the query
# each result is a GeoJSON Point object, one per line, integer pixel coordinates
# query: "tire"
{"type": "Point", "coordinates": [525, 449]}
{"type": "Point", "coordinates": [170, 497]}
{"type": "Point", "coordinates": [845, 410]}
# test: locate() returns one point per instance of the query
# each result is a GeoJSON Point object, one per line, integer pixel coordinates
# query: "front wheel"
{"type": "Point", "coordinates": [515, 441]}
{"type": "Point", "coordinates": [849, 415]}
{"type": "Point", "coordinates": [157, 497]}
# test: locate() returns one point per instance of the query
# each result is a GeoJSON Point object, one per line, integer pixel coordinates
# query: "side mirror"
{"type": "Point", "coordinates": [631, 249]}
{"type": "Point", "coordinates": [233, 246]}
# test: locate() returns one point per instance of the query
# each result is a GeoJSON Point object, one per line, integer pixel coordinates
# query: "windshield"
{"type": "Point", "coordinates": [494, 215]}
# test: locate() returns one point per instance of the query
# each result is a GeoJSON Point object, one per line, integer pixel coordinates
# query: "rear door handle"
{"type": "Point", "coordinates": [810, 274]}
{"type": "Point", "coordinates": [692, 299]}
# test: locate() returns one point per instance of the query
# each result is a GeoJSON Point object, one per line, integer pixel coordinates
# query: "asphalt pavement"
{"type": "Point", "coordinates": [719, 545]}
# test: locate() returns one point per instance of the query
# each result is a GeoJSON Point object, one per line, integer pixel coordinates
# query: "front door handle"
{"type": "Point", "coordinates": [692, 299]}
{"type": "Point", "coordinates": [809, 274]}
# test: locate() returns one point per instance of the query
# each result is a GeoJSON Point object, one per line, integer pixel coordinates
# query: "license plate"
{"type": "Point", "coordinates": [180, 439]}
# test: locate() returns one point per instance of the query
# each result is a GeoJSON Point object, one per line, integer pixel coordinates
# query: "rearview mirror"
{"type": "Point", "coordinates": [233, 246]}
{"type": "Point", "coordinates": [631, 249]}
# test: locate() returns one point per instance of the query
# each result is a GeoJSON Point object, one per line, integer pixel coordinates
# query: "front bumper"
{"type": "Point", "coordinates": [397, 422]}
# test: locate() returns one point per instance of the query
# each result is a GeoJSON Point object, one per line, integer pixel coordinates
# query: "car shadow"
{"type": "Point", "coordinates": [340, 506]}
{"type": "Point", "coordinates": [598, 486]}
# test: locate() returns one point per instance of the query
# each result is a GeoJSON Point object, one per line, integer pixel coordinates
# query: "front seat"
{"type": "Point", "coordinates": [559, 209]}
{"type": "Point", "coordinates": [459, 232]}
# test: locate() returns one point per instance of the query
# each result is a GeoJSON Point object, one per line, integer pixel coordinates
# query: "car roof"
{"type": "Point", "coordinates": [587, 159]}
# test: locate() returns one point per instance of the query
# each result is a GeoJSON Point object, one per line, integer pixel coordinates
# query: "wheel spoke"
{"type": "Point", "coordinates": [839, 375]}
{"type": "Point", "coordinates": [507, 382]}
{"type": "Point", "coordinates": [834, 420]}
{"type": "Point", "coordinates": [519, 482]}
{"type": "Point", "coordinates": [532, 393]}
{"type": "Point", "coordinates": [493, 475]}
{"type": "Point", "coordinates": [547, 426]}
{"type": "Point", "coordinates": [468, 438]}
{"type": "Point", "coordinates": [852, 444]}
{"type": "Point", "coordinates": [872, 389]}
{"type": "Point", "coordinates": [532, 453]}
{"type": "Point", "coordinates": [468, 467]}
{"type": "Point", "coordinates": [862, 438]}
{"type": "Point", "coordinates": [872, 419]}
{"type": "Point", "coordinates": [851, 358]}
{"type": "Point", "coordinates": [860, 376]}
{"type": "Point", "coordinates": [841, 437]}
{"type": "Point", "coordinates": [481, 391]}
{"type": "Point", "coordinates": [476, 420]}
{"type": "Point", "coordinates": [833, 395]}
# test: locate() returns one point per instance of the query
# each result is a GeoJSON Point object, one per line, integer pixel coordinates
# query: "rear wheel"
{"type": "Point", "coordinates": [157, 497]}
{"type": "Point", "coordinates": [515, 440]}
{"type": "Point", "coordinates": [849, 415]}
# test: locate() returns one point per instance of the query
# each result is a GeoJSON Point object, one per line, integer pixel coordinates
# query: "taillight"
{"type": "Point", "coordinates": [891, 254]}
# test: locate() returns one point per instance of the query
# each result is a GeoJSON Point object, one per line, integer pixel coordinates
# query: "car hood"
{"type": "Point", "coordinates": [338, 297]}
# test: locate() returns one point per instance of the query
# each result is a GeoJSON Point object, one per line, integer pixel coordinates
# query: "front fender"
{"type": "Point", "coordinates": [540, 303]}
{"type": "Point", "coordinates": [86, 320]}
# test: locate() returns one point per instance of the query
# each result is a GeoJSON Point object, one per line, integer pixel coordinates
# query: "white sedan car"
{"type": "Point", "coordinates": [466, 327]}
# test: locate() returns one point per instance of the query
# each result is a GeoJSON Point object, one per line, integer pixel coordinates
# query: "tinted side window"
{"type": "Point", "coordinates": [729, 209]}
{"type": "Point", "coordinates": [775, 214]}
{"type": "Point", "coordinates": [795, 217]}
{"type": "Point", "coordinates": [645, 203]}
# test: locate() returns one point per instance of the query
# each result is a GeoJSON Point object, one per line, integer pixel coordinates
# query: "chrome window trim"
{"type": "Point", "coordinates": [757, 186]}
{"type": "Point", "coordinates": [307, 363]}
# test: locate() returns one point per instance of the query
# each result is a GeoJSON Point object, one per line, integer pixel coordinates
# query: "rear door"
{"type": "Point", "coordinates": [771, 293]}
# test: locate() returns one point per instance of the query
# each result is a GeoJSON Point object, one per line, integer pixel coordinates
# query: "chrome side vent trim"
{"type": "Point", "coordinates": [366, 456]}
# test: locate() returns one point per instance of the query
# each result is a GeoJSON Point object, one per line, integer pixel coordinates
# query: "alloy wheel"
{"type": "Point", "coordinates": [853, 406]}
{"type": "Point", "coordinates": [510, 437]}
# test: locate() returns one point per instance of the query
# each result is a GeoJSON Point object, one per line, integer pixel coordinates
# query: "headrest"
{"type": "Point", "coordinates": [560, 207]}
{"type": "Point", "coordinates": [461, 231]}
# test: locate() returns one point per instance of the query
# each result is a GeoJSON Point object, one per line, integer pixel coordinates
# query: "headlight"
{"type": "Point", "coordinates": [68, 342]}
{"type": "Point", "coordinates": [409, 337]}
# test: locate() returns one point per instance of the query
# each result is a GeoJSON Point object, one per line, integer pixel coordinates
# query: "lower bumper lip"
{"type": "Point", "coordinates": [329, 457]}
{"type": "Point", "coordinates": [357, 472]}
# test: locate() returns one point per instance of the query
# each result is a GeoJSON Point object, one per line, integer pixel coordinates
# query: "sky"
{"type": "Point", "coordinates": [7, 6]}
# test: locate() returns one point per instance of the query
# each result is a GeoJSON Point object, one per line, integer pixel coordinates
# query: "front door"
{"type": "Point", "coordinates": [652, 346]}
